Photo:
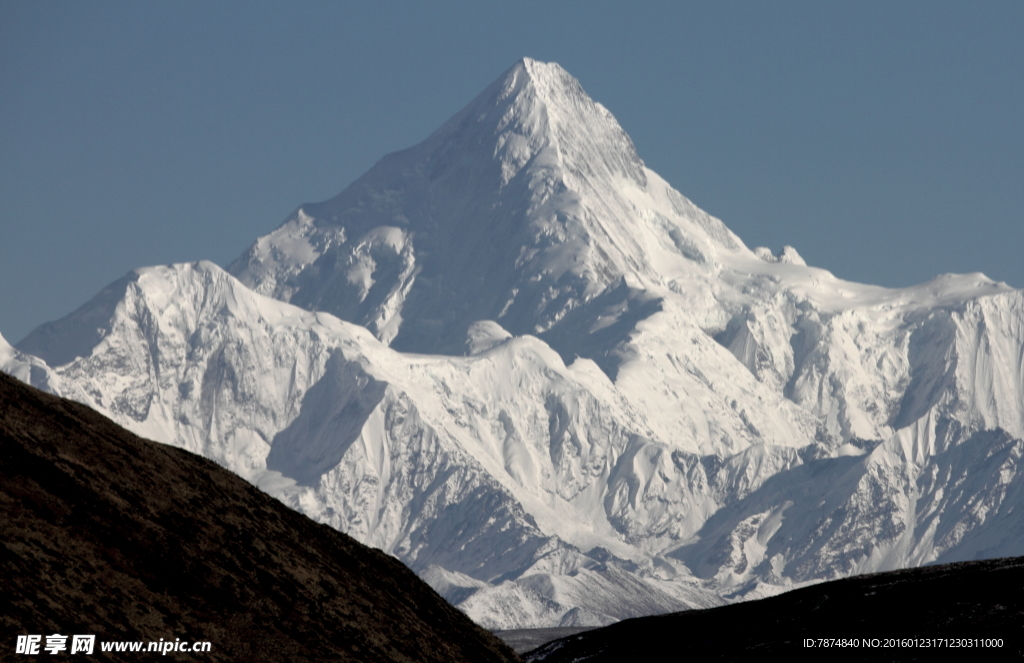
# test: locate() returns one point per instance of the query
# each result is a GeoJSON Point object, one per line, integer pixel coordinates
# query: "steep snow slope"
{"type": "Point", "coordinates": [617, 408]}
{"type": "Point", "coordinates": [489, 466]}
{"type": "Point", "coordinates": [526, 204]}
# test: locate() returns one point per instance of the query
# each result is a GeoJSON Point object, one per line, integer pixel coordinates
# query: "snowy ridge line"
{"type": "Point", "coordinates": [518, 360]}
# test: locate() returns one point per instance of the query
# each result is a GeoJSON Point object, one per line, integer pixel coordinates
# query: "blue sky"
{"type": "Point", "coordinates": [884, 140]}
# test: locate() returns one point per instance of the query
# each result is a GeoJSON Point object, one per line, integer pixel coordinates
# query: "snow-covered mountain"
{"type": "Point", "coordinates": [614, 407]}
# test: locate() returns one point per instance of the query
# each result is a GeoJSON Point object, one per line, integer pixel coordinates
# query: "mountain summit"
{"type": "Point", "coordinates": [526, 204]}
{"type": "Point", "coordinates": [516, 359]}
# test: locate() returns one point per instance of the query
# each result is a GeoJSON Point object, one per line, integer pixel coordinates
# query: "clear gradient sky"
{"type": "Point", "coordinates": [884, 140]}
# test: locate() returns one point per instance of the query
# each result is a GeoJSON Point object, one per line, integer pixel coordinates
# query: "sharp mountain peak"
{"type": "Point", "coordinates": [695, 421]}
{"type": "Point", "coordinates": [527, 203]}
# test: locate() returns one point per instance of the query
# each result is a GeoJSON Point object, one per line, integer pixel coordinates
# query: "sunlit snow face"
{"type": "Point", "coordinates": [517, 359]}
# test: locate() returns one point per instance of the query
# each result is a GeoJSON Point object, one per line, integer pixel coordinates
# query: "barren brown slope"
{"type": "Point", "coordinates": [904, 615]}
{"type": "Point", "coordinates": [105, 533]}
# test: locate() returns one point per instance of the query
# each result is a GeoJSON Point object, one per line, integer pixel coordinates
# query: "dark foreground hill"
{"type": "Point", "coordinates": [967, 609]}
{"type": "Point", "coordinates": [104, 533]}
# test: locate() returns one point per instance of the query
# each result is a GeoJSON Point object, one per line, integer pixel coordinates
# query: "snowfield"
{"type": "Point", "coordinates": [518, 360]}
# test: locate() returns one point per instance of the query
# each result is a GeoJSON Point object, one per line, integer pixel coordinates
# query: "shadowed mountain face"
{"type": "Point", "coordinates": [105, 533]}
{"type": "Point", "coordinates": [970, 601]}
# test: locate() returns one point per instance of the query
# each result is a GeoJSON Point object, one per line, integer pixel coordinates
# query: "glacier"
{"type": "Point", "coordinates": [521, 362]}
